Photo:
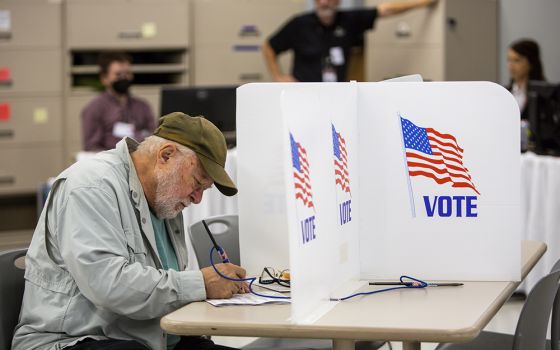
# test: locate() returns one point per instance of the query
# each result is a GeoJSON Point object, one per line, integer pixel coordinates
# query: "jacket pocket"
{"type": "Point", "coordinates": [136, 247]}
{"type": "Point", "coordinates": [54, 279]}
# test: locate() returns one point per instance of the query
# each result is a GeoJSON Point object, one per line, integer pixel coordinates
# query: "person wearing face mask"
{"type": "Point", "coordinates": [321, 40]}
{"type": "Point", "coordinates": [115, 113]}
{"type": "Point", "coordinates": [108, 258]}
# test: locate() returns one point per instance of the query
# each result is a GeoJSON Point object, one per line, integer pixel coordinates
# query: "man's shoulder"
{"type": "Point", "coordinates": [102, 171]}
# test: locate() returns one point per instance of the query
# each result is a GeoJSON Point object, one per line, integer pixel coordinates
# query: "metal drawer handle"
{"type": "Point", "coordinates": [129, 35]}
{"type": "Point", "coordinates": [6, 133]}
{"type": "Point", "coordinates": [7, 180]}
{"type": "Point", "coordinates": [250, 76]}
{"type": "Point", "coordinates": [403, 30]}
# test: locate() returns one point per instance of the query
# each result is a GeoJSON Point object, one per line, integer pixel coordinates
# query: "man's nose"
{"type": "Point", "coordinates": [197, 196]}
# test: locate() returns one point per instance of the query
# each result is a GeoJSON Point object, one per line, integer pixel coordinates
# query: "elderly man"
{"type": "Point", "coordinates": [107, 258]}
{"type": "Point", "coordinates": [321, 40]}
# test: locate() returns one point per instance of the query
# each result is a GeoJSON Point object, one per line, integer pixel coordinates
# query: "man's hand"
{"type": "Point", "coordinates": [221, 288]}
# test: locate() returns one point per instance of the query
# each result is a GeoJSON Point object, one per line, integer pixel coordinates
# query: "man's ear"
{"type": "Point", "coordinates": [166, 152]}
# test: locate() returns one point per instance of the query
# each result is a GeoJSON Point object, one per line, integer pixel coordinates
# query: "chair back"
{"type": "Point", "coordinates": [530, 333]}
{"type": "Point", "coordinates": [12, 285]}
{"type": "Point", "coordinates": [555, 322]}
{"type": "Point", "coordinates": [225, 230]}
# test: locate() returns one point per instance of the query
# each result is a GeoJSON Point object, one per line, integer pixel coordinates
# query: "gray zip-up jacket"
{"type": "Point", "coordinates": [95, 273]}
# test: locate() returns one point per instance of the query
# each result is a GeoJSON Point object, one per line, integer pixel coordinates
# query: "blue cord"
{"type": "Point", "coordinates": [251, 280]}
{"type": "Point", "coordinates": [421, 284]}
{"type": "Point", "coordinates": [248, 279]}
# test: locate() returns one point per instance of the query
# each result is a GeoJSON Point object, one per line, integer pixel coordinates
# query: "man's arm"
{"type": "Point", "coordinates": [394, 8]}
{"type": "Point", "coordinates": [273, 66]}
{"type": "Point", "coordinates": [96, 252]}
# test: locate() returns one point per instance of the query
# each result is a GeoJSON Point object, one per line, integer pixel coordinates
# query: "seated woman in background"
{"type": "Point", "coordinates": [524, 64]}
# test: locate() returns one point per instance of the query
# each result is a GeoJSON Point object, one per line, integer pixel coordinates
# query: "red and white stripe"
{"type": "Point", "coordinates": [444, 165]}
{"type": "Point", "coordinates": [341, 166]}
{"type": "Point", "coordinates": [303, 183]}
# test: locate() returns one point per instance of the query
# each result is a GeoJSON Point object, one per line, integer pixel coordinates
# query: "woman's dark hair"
{"type": "Point", "coordinates": [530, 50]}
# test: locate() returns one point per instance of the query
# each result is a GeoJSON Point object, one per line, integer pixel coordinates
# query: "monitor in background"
{"type": "Point", "coordinates": [216, 104]}
{"type": "Point", "coordinates": [544, 116]}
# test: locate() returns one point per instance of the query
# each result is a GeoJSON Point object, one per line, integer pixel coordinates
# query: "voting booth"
{"type": "Point", "coordinates": [348, 182]}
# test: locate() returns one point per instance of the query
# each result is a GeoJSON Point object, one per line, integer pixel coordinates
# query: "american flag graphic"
{"type": "Point", "coordinates": [435, 155]}
{"type": "Point", "coordinates": [340, 161]}
{"type": "Point", "coordinates": [301, 173]}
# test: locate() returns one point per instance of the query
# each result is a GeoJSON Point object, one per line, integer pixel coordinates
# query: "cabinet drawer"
{"type": "Point", "coordinates": [419, 26]}
{"type": "Point", "coordinates": [240, 21]}
{"type": "Point", "coordinates": [23, 169]}
{"type": "Point", "coordinates": [31, 71]}
{"type": "Point", "coordinates": [30, 23]}
{"type": "Point", "coordinates": [127, 23]}
{"type": "Point", "coordinates": [390, 61]}
{"type": "Point", "coordinates": [217, 65]}
{"type": "Point", "coordinates": [30, 120]}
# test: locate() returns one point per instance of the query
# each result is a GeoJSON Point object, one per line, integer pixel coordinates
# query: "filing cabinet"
{"type": "Point", "coordinates": [453, 40]}
{"type": "Point", "coordinates": [32, 71]}
{"type": "Point", "coordinates": [21, 27]}
{"type": "Point", "coordinates": [23, 168]}
{"type": "Point", "coordinates": [228, 35]}
{"type": "Point", "coordinates": [33, 120]}
{"type": "Point", "coordinates": [234, 65]}
{"type": "Point", "coordinates": [127, 24]}
{"type": "Point", "coordinates": [30, 94]}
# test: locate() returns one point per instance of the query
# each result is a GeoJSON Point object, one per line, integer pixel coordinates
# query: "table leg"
{"type": "Point", "coordinates": [339, 344]}
{"type": "Point", "coordinates": [411, 345]}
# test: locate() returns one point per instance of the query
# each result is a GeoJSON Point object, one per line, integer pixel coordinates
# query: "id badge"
{"type": "Point", "coordinates": [337, 55]}
{"type": "Point", "coordinates": [121, 130]}
{"type": "Point", "coordinates": [329, 76]}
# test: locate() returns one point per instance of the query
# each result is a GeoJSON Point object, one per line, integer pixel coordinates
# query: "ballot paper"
{"type": "Point", "coordinates": [250, 299]}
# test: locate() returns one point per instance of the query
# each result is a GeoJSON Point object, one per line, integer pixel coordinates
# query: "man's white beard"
{"type": "Point", "coordinates": [166, 204]}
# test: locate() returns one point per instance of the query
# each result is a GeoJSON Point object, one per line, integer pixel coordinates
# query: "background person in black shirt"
{"type": "Point", "coordinates": [321, 40]}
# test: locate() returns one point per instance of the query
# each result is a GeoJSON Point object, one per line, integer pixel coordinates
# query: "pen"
{"type": "Point", "coordinates": [442, 284]}
{"type": "Point", "coordinates": [219, 249]}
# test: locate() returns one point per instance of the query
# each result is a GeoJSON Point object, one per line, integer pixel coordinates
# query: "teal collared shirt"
{"type": "Point", "coordinates": [168, 259]}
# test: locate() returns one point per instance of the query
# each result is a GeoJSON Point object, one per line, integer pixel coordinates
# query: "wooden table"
{"type": "Point", "coordinates": [437, 314]}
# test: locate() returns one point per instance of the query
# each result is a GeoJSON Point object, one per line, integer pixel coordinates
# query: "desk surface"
{"type": "Point", "coordinates": [437, 314]}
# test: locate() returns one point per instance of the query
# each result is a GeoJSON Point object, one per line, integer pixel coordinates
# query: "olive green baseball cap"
{"type": "Point", "coordinates": [205, 139]}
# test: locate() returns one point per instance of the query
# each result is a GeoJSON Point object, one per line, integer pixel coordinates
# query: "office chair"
{"type": "Point", "coordinates": [12, 285]}
{"type": "Point", "coordinates": [226, 232]}
{"type": "Point", "coordinates": [532, 325]}
{"type": "Point", "coordinates": [553, 343]}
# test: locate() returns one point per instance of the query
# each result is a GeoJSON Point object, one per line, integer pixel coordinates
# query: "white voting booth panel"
{"type": "Point", "coordinates": [324, 249]}
{"type": "Point", "coordinates": [331, 185]}
{"type": "Point", "coordinates": [413, 225]}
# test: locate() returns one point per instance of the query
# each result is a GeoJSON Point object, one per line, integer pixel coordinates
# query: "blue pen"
{"type": "Point", "coordinates": [219, 249]}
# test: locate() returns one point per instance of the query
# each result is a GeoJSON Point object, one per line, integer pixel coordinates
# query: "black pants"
{"type": "Point", "coordinates": [186, 343]}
